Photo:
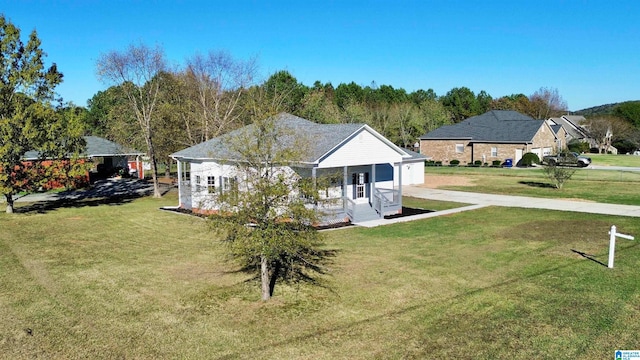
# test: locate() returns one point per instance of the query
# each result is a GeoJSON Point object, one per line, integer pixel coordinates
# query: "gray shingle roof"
{"type": "Point", "coordinates": [415, 156]}
{"type": "Point", "coordinates": [96, 146]}
{"type": "Point", "coordinates": [494, 126]}
{"type": "Point", "coordinates": [573, 129]}
{"type": "Point", "coordinates": [322, 138]}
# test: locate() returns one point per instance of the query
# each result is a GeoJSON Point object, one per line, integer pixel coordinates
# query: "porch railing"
{"type": "Point", "coordinates": [350, 207]}
{"type": "Point", "coordinates": [385, 200]}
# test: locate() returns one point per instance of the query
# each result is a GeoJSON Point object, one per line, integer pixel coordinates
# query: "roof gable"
{"type": "Point", "coordinates": [363, 147]}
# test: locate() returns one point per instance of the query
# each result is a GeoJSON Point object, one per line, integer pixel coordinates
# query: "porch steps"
{"type": "Point", "coordinates": [364, 212]}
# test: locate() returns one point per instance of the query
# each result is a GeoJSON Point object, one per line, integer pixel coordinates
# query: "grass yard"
{"type": "Point", "coordinates": [607, 186]}
{"type": "Point", "coordinates": [130, 281]}
{"type": "Point", "coordinates": [615, 160]}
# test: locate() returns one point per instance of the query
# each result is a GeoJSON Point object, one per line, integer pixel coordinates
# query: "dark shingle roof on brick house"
{"type": "Point", "coordinates": [500, 126]}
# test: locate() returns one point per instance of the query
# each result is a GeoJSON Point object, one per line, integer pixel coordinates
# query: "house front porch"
{"type": "Point", "coordinates": [360, 193]}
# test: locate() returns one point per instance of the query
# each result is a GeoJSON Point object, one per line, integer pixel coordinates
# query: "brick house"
{"type": "Point", "coordinates": [494, 135]}
{"type": "Point", "coordinates": [106, 157]}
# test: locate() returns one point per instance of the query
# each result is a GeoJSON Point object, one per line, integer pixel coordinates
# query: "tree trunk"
{"type": "Point", "coordinates": [167, 169]}
{"type": "Point", "coordinates": [9, 198]}
{"type": "Point", "coordinates": [265, 278]}
{"type": "Point", "coordinates": [154, 166]}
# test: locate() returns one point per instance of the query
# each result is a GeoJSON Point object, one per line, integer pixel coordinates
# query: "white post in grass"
{"type": "Point", "coordinates": [612, 243]}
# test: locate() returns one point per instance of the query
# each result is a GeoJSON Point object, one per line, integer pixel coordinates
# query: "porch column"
{"type": "Point", "coordinates": [345, 183]}
{"type": "Point", "coordinates": [400, 184]}
{"type": "Point", "coordinates": [314, 176]}
{"type": "Point", "coordinates": [373, 183]}
{"type": "Point", "coordinates": [179, 182]}
{"type": "Point", "coordinates": [315, 190]}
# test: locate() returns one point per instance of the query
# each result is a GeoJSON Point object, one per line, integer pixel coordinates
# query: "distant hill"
{"type": "Point", "coordinates": [606, 109]}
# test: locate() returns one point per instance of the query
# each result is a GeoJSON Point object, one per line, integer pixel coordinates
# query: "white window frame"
{"type": "Point", "coordinates": [227, 183]}
{"type": "Point", "coordinates": [211, 184]}
{"type": "Point", "coordinates": [494, 152]}
{"type": "Point", "coordinates": [459, 148]}
{"type": "Point", "coordinates": [185, 172]}
{"type": "Point", "coordinates": [198, 180]}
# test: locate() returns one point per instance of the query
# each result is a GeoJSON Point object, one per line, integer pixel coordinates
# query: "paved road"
{"type": "Point", "coordinates": [521, 201]}
{"type": "Point", "coordinates": [618, 168]}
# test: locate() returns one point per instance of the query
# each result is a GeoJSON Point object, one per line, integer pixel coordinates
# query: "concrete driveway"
{"type": "Point", "coordinates": [521, 201]}
{"type": "Point", "coordinates": [478, 201]}
{"type": "Point", "coordinates": [100, 189]}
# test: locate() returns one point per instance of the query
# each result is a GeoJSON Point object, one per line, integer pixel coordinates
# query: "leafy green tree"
{"type": "Point", "coordinates": [137, 70]}
{"type": "Point", "coordinates": [26, 89]}
{"type": "Point", "coordinates": [347, 94]}
{"type": "Point", "coordinates": [67, 145]}
{"type": "Point", "coordinates": [484, 102]}
{"type": "Point", "coordinates": [318, 106]}
{"type": "Point", "coordinates": [630, 111]}
{"type": "Point", "coordinates": [104, 109]}
{"type": "Point", "coordinates": [357, 112]}
{"type": "Point", "coordinates": [434, 114]}
{"type": "Point", "coordinates": [407, 124]}
{"type": "Point", "coordinates": [176, 125]}
{"type": "Point", "coordinates": [268, 231]}
{"type": "Point", "coordinates": [420, 96]}
{"type": "Point", "coordinates": [286, 88]}
{"type": "Point", "coordinates": [461, 103]}
{"type": "Point", "coordinates": [515, 102]}
{"type": "Point", "coordinates": [386, 95]}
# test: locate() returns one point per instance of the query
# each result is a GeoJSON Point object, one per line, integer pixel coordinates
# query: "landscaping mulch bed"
{"type": "Point", "coordinates": [407, 211]}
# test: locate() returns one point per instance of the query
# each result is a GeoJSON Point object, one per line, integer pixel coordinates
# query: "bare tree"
{"type": "Point", "coordinates": [216, 82]}
{"type": "Point", "coordinates": [605, 130]}
{"type": "Point", "coordinates": [137, 69]}
{"type": "Point", "coordinates": [547, 102]}
{"type": "Point", "coordinates": [558, 174]}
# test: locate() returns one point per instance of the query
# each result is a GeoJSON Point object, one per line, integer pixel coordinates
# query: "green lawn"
{"type": "Point", "coordinates": [130, 281]}
{"type": "Point", "coordinates": [615, 160]}
{"type": "Point", "coordinates": [608, 186]}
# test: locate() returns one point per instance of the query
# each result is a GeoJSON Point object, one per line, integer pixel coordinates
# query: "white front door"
{"type": "Point", "coordinates": [518, 156]}
{"type": "Point", "coordinates": [360, 187]}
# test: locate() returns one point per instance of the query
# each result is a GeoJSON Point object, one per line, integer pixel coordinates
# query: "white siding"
{"type": "Point", "coordinates": [200, 197]}
{"type": "Point", "coordinates": [413, 173]}
{"type": "Point", "coordinates": [363, 149]}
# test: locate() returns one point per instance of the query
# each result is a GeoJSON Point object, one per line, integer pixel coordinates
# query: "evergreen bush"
{"type": "Point", "coordinates": [529, 159]}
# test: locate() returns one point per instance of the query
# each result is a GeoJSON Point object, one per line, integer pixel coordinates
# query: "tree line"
{"type": "Point", "coordinates": [161, 109]}
{"type": "Point", "coordinates": [158, 108]}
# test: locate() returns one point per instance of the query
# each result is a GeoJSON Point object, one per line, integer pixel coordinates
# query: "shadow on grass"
{"type": "Point", "coordinates": [402, 311]}
{"type": "Point", "coordinates": [537, 184]}
{"type": "Point", "coordinates": [101, 193]}
{"type": "Point", "coordinates": [589, 256]}
{"type": "Point", "coordinates": [42, 207]}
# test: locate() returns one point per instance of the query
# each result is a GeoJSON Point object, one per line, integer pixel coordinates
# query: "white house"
{"type": "Point", "coordinates": [368, 171]}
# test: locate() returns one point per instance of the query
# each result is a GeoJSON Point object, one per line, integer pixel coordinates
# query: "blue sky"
{"type": "Point", "coordinates": [588, 50]}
